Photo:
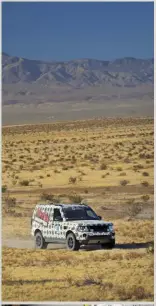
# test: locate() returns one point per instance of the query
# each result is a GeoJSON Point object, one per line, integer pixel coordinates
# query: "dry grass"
{"type": "Point", "coordinates": [109, 164]}
{"type": "Point", "coordinates": [80, 276]}
{"type": "Point", "coordinates": [78, 153]}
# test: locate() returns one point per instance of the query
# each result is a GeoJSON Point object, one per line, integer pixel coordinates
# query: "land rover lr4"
{"type": "Point", "coordinates": [72, 224]}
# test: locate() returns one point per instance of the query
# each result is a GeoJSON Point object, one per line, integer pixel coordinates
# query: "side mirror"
{"type": "Point", "coordinates": [100, 218]}
{"type": "Point", "coordinates": [58, 219]}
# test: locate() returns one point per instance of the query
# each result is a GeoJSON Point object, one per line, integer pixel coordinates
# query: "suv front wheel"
{"type": "Point", "coordinates": [72, 243]}
{"type": "Point", "coordinates": [40, 242]}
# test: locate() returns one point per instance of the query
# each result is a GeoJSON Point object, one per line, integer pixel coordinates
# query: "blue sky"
{"type": "Point", "coordinates": [64, 31]}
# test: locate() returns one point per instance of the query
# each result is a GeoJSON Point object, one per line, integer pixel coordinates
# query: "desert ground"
{"type": "Point", "coordinates": [26, 113]}
{"type": "Point", "coordinates": [108, 163]}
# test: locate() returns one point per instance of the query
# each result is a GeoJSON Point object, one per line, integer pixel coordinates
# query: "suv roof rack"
{"type": "Point", "coordinates": [62, 204]}
{"type": "Point", "coordinates": [50, 203]}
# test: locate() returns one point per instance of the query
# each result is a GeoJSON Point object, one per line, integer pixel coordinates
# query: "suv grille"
{"type": "Point", "coordinates": [98, 228]}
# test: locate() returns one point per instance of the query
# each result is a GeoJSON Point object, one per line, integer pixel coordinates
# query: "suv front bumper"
{"type": "Point", "coordinates": [97, 239]}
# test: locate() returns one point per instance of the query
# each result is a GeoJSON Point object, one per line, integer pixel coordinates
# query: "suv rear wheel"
{"type": "Point", "coordinates": [40, 242]}
{"type": "Point", "coordinates": [72, 243]}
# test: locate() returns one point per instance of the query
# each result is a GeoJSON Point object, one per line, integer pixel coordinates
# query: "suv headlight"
{"type": "Point", "coordinates": [82, 228]}
{"type": "Point", "coordinates": [111, 228]}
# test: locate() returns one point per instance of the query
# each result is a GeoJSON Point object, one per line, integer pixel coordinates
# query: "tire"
{"type": "Point", "coordinates": [72, 243]}
{"type": "Point", "coordinates": [40, 242]}
{"type": "Point", "coordinates": [109, 245]}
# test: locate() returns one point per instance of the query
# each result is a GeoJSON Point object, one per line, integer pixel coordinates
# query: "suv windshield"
{"type": "Point", "coordinates": [79, 213]}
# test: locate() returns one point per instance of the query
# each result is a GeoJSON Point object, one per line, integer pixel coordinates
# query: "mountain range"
{"type": "Point", "coordinates": [127, 72]}
{"type": "Point", "coordinates": [78, 88]}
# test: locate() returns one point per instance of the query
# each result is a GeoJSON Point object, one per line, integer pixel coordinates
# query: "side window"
{"type": "Point", "coordinates": [57, 215]}
{"type": "Point", "coordinates": [90, 213]}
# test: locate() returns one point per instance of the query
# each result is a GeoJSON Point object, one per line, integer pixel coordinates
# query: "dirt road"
{"type": "Point", "coordinates": [28, 243]}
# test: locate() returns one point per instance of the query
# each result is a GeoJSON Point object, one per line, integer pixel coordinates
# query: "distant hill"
{"type": "Point", "coordinates": [124, 72]}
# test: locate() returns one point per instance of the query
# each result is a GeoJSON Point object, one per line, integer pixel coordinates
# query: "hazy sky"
{"type": "Point", "coordinates": [64, 31]}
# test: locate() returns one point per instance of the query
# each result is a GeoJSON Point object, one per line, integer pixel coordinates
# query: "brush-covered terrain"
{"type": "Point", "coordinates": [109, 163]}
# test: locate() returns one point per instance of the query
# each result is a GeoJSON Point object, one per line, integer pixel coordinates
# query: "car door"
{"type": "Point", "coordinates": [57, 225]}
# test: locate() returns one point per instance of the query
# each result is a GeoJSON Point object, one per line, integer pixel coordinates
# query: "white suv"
{"type": "Point", "coordinates": [72, 224]}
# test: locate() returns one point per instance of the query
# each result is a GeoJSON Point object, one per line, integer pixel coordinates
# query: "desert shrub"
{"type": "Point", "coordinates": [73, 160]}
{"type": "Point", "coordinates": [84, 165]}
{"type": "Point", "coordinates": [142, 155]}
{"type": "Point", "coordinates": [122, 174]}
{"type": "Point", "coordinates": [119, 168]}
{"type": "Point", "coordinates": [138, 166]}
{"type": "Point", "coordinates": [14, 182]}
{"type": "Point", "coordinates": [56, 199]}
{"type": "Point", "coordinates": [134, 209]}
{"type": "Point", "coordinates": [82, 173]}
{"type": "Point", "coordinates": [35, 167]}
{"type": "Point", "coordinates": [139, 293]}
{"type": "Point", "coordinates": [69, 279]}
{"type": "Point", "coordinates": [21, 156]}
{"type": "Point", "coordinates": [80, 178]}
{"type": "Point", "coordinates": [145, 174]}
{"type": "Point", "coordinates": [4, 188]}
{"type": "Point", "coordinates": [86, 191]}
{"type": "Point", "coordinates": [90, 281]}
{"type": "Point", "coordinates": [103, 166]}
{"type": "Point", "coordinates": [48, 175]}
{"type": "Point", "coordinates": [145, 183]}
{"type": "Point", "coordinates": [36, 150]}
{"type": "Point", "coordinates": [47, 196]}
{"type": "Point", "coordinates": [51, 162]}
{"type": "Point", "coordinates": [24, 183]}
{"type": "Point", "coordinates": [124, 182]}
{"type": "Point", "coordinates": [50, 197]}
{"type": "Point", "coordinates": [56, 171]}
{"type": "Point", "coordinates": [130, 201]}
{"type": "Point", "coordinates": [72, 180]}
{"type": "Point", "coordinates": [148, 156]}
{"type": "Point", "coordinates": [14, 160]}
{"type": "Point", "coordinates": [21, 167]}
{"type": "Point", "coordinates": [145, 197]}
{"type": "Point", "coordinates": [10, 202]}
{"type": "Point", "coordinates": [148, 162]}
{"type": "Point", "coordinates": [65, 168]}
{"type": "Point", "coordinates": [75, 198]}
